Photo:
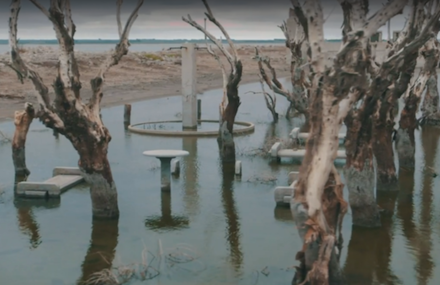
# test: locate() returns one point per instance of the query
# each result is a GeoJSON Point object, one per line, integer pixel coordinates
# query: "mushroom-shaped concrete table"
{"type": "Point", "coordinates": [165, 156]}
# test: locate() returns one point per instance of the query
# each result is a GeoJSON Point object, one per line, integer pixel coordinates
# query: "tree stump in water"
{"type": "Point", "coordinates": [22, 121]}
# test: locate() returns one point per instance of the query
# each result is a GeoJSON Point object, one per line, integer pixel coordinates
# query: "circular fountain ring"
{"type": "Point", "coordinates": [249, 128]}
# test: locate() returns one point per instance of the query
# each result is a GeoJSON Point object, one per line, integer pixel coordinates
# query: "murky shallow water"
{"type": "Point", "coordinates": [231, 223]}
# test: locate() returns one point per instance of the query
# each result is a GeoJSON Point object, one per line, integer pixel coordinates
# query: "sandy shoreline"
{"type": "Point", "coordinates": [139, 76]}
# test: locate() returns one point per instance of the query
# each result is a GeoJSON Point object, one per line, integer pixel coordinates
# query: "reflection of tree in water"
{"type": "Point", "coordinates": [232, 219]}
{"type": "Point", "coordinates": [26, 218]}
{"type": "Point", "coordinates": [419, 240]}
{"type": "Point", "coordinates": [102, 247]}
{"type": "Point", "coordinates": [166, 221]}
{"type": "Point", "coordinates": [29, 226]}
{"type": "Point", "coordinates": [369, 250]}
{"type": "Point", "coordinates": [430, 137]}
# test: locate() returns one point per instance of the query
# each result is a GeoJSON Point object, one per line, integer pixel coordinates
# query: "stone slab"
{"type": "Point", "coordinates": [292, 177]}
{"type": "Point", "coordinates": [274, 150]}
{"type": "Point", "coordinates": [66, 171]}
{"type": "Point", "coordinates": [166, 153]}
{"type": "Point", "coordinates": [279, 194]}
{"type": "Point", "coordinates": [53, 187]}
{"type": "Point", "coordinates": [238, 168]}
{"type": "Point", "coordinates": [300, 153]}
{"type": "Point", "coordinates": [175, 167]}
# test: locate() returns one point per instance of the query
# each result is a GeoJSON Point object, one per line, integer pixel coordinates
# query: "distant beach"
{"type": "Point", "coordinates": [136, 45]}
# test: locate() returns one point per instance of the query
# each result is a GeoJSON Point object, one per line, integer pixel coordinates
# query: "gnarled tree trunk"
{"type": "Point", "coordinates": [231, 99]}
{"type": "Point", "coordinates": [418, 30]}
{"type": "Point", "coordinates": [405, 143]}
{"type": "Point", "coordinates": [359, 171]}
{"type": "Point", "coordinates": [430, 106]}
{"type": "Point", "coordinates": [318, 206]}
{"type": "Point", "coordinates": [22, 121]}
{"type": "Point", "coordinates": [300, 75]}
{"type": "Point", "coordinates": [80, 123]}
{"type": "Point", "coordinates": [96, 170]}
{"type": "Point", "coordinates": [226, 137]}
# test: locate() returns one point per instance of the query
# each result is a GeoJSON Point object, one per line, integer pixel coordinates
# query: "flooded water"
{"type": "Point", "coordinates": [231, 225]}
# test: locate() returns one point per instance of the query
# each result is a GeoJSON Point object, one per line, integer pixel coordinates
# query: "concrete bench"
{"type": "Point", "coordinates": [63, 179]}
{"type": "Point", "coordinates": [302, 137]}
{"type": "Point", "coordinates": [278, 153]}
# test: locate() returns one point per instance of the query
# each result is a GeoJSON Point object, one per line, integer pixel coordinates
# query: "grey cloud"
{"type": "Point", "coordinates": [98, 16]}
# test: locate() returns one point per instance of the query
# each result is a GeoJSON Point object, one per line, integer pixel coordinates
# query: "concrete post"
{"type": "Point", "coordinates": [199, 109]}
{"type": "Point", "coordinates": [165, 173]}
{"type": "Point", "coordinates": [189, 92]}
{"type": "Point", "coordinates": [127, 114]}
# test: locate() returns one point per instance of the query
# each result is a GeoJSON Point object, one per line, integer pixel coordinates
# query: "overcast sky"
{"type": "Point", "coordinates": [162, 19]}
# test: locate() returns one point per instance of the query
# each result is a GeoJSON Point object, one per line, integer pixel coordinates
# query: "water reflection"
{"type": "Point", "coordinates": [283, 214]}
{"type": "Point", "coordinates": [369, 250]}
{"type": "Point", "coordinates": [26, 219]}
{"type": "Point", "coordinates": [429, 140]}
{"type": "Point", "coordinates": [166, 221]}
{"type": "Point", "coordinates": [190, 176]}
{"type": "Point", "coordinates": [232, 219]}
{"type": "Point", "coordinates": [102, 247]}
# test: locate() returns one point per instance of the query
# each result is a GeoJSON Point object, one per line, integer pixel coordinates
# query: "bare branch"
{"type": "Point", "coordinates": [298, 11]}
{"type": "Point", "coordinates": [42, 9]}
{"type": "Point", "coordinates": [224, 102]}
{"type": "Point", "coordinates": [273, 83]}
{"type": "Point", "coordinates": [114, 58]}
{"type": "Point", "coordinates": [213, 40]}
{"type": "Point", "coordinates": [68, 73]}
{"type": "Point", "coordinates": [118, 16]}
{"type": "Point", "coordinates": [391, 9]}
{"type": "Point", "coordinates": [71, 28]}
{"type": "Point", "coordinates": [211, 18]}
{"type": "Point", "coordinates": [23, 71]}
{"type": "Point", "coordinates": [417, 43]}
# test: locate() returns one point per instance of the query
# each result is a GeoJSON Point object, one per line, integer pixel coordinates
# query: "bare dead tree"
{"type": "Point", "coordinates": [405, 142]}
{"type": "Point", "coordinates": [231, 99]}
{"type": "Point", "coordinates": [68, 115]}
{"type": "Point", "coordinates": [318, 206]}
{"type": "Point", "coordinates": [384, 84]}
{"type": "Point", "coordinates": [398, 77]}
{"type": "Point", "coordinates": [296, 41]}
{"type": "Point", "coordinates": [269, 99]}
{"type": "Point", "coordinates": [22, 121]}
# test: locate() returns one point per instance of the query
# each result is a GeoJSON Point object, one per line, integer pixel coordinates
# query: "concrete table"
{"type": "Point", "coordinates": [165, 156]}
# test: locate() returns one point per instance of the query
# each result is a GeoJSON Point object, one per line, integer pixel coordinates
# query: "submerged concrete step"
{"type": "Point", "coordinates": [64, 178]}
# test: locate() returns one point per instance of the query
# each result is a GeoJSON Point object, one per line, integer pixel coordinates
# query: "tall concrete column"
{"type": "Point", "coordinates": [189, 90]}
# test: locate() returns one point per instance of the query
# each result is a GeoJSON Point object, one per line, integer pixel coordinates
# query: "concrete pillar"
{"type": "Point", "coordinates": [199, 109]}
{"type": "Point", "coordinates": [165, 173]}
{"type": "Point", "coordinates": [189, 90]}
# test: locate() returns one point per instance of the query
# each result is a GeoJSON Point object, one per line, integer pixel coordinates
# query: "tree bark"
{"type": "Point", "coordinates": [430, 106]}
{"type": "Point", "coordinates": [359, 172]}
{"type": "Point", "coordinates": [96, 170]}
{"type": "Point", "coordinates": [22, 121]}
{"type": "Point", "coordinates": [405, 143]}
{"type": "Point", "coordinates": [226, 137]}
